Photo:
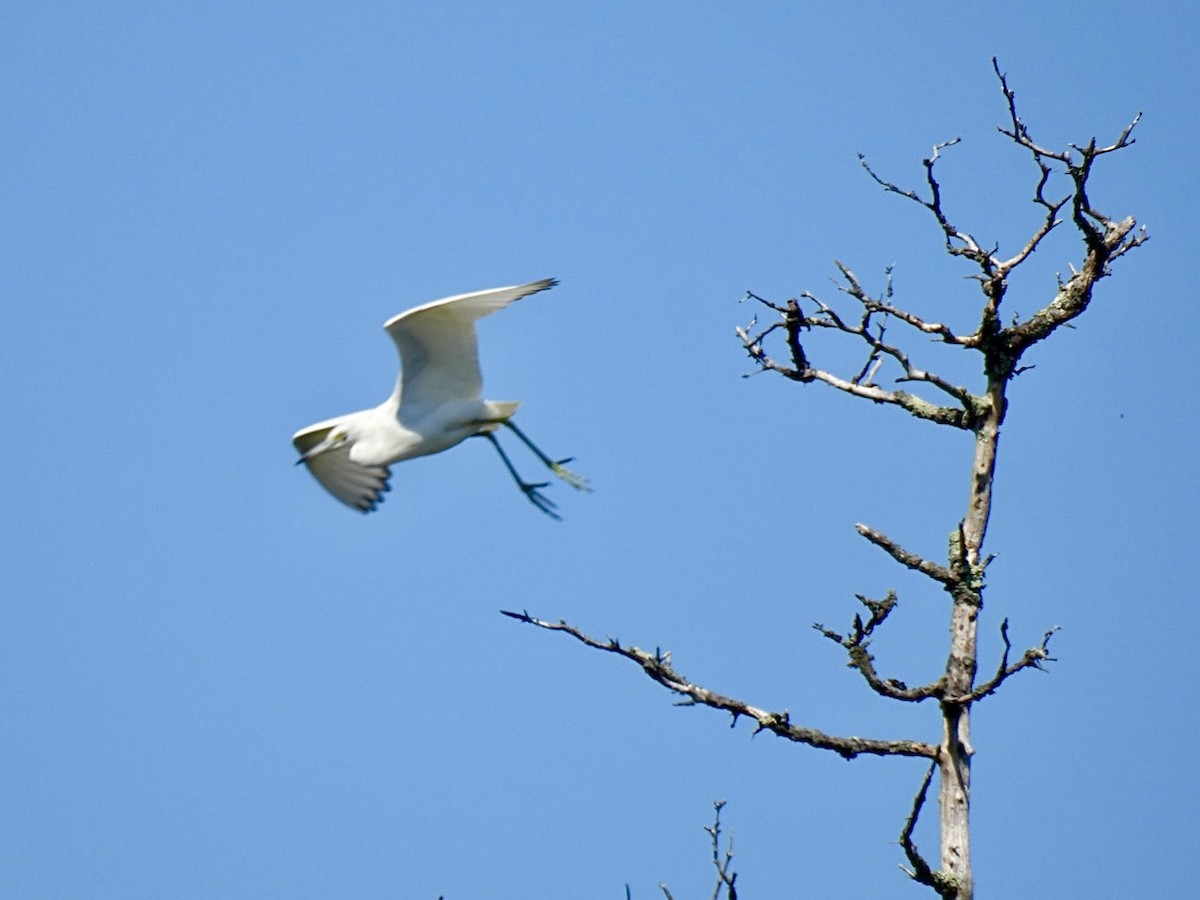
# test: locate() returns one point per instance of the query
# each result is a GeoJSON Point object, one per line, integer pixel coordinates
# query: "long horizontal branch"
{"type": "Point", "coordinates": [658, 667]}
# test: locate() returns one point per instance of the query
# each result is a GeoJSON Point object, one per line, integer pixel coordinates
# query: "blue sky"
{"type": "Point", "coordinates": [218, 682]}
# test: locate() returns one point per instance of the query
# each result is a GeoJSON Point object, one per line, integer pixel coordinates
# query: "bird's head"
{"type": "Point", "coordinates": [314, 443]}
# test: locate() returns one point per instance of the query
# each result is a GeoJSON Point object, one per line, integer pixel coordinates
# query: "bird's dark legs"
{"type": "Point", "coordinates": [532, 491]}
{"type": "Point", "coordinates": [558, 467]}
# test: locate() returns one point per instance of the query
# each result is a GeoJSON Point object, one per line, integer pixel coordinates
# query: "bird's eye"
{"type": "Point", "coordinates": [339, 436]}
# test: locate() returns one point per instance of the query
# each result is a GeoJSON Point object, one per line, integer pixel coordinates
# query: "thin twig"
{"type": "Point", "coordinates": [725, 877]}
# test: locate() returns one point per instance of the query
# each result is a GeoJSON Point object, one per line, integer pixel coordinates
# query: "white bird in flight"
{"type": "Point", "coordinates": [437, 403]}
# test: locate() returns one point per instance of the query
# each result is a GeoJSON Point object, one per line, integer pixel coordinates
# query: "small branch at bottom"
{"type": "Point", "coordinates": [725, 878]}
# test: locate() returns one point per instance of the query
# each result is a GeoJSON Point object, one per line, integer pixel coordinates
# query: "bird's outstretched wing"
{"type": "Point", "coordinates": [439, 359]}
{"type": "Point", "coordinates": [356, 485]}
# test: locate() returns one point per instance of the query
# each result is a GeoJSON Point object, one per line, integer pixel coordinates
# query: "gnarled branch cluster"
{"type": "Point", "coordinates": [1105, 239]}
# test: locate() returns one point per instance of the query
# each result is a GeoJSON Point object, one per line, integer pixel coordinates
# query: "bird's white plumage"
{"type": "Point", "coordinates": [439, 357]}
{"type": "Point", "coordinates": [437, 402]}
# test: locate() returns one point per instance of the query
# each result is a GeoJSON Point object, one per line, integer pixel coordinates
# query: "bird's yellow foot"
{"type": "Point", "coordinates": [574, 479]}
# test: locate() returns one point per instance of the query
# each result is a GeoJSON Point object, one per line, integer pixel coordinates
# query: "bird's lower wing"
{"type": "Point", "coordinates": [356, 485]}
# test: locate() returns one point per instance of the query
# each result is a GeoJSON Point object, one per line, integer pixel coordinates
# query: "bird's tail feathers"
{"type": "Point", "coordinates": [498, 412]}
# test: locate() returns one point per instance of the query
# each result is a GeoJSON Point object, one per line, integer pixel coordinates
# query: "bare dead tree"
{"type": "Point", "coordinates": [939, 401]}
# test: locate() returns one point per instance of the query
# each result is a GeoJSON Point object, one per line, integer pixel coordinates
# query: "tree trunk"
{"type": "Point", "coordinates": [967, 564]}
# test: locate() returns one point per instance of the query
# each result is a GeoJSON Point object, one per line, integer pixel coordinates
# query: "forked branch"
{"type": "Point", "coordinates": [1030, 659]}
{"type": "Point", "coordinates": [958, 242]}
{"type": "Point", "coordinates": [856, 645]}
{"type": "Point", "coordinates": [726, 877]}
{"type": "Point", "coordinates": [1105, 238]}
